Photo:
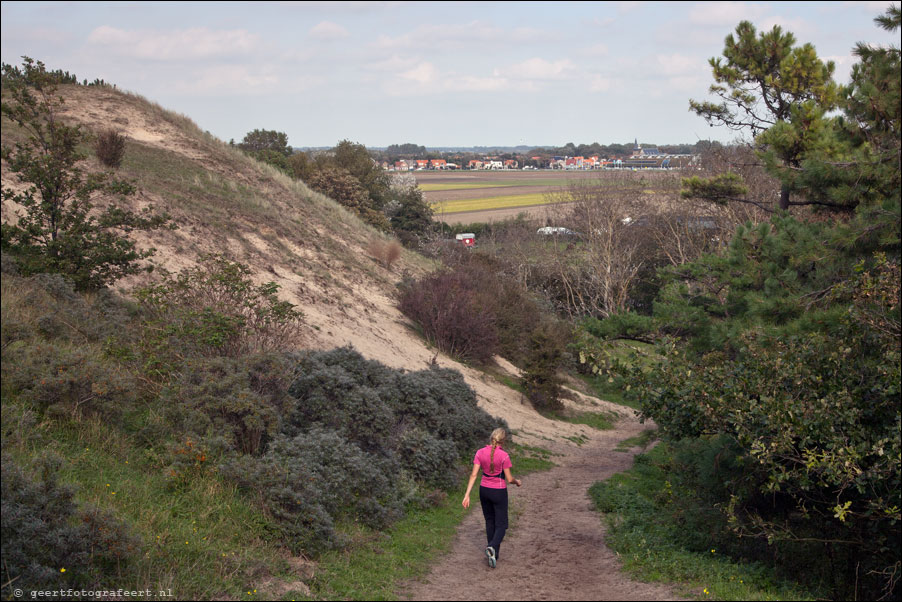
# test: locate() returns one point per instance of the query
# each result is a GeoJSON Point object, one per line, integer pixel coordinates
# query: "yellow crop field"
{"type": "Point", "coordinates": [496, 202]}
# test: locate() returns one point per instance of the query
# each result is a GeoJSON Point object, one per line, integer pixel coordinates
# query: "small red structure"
{"type": "Point", "coordinates": [466, 239]}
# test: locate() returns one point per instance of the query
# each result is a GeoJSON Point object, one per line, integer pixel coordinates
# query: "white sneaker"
{"type": "Point", "coordinates": [490, 553]}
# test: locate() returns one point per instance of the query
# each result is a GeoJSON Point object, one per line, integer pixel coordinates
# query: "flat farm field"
{"type": "Point", "coordinates": [484, 196]}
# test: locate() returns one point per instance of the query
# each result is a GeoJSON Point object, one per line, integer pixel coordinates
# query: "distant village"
{"type": "Point", "coordinates": [640, 158]}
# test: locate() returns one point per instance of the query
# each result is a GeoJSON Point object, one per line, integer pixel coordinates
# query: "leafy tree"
{"type": "Point", "coordinates": [339, 185]}
{"type": "Point", "coordinates": [775, 90]}
{"type": "Point", "coordinates": [300, 167]}
{"type": "Point", "coordinates": [265, 140]}
{"type": "Point", "coordinates": [59, 231]}
{"type": "Point", "coordinates": [409, 213]}
{"type": "Point", "coordinates": [356, 160]}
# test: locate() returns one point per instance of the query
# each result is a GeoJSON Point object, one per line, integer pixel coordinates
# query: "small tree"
{"type": "Point", "coordinates": [58, 231]}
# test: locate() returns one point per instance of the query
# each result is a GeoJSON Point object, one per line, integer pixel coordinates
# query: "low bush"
{"type": "Point", "coordinates": [309, 481]}
{"type": "Point", "coordinates": [373, 405]}
{"type": "Point", "coordinates": [66, 380]}
{"type": "Point", "coordinates": [109, 146]}
{"type": "Point", "coordinates": [357, 440]}
{"type": "Point", "coordinates": [447, 307]}
{"type": "Point", "coordinates": [472, 311]}
{"type": "Point", "coordinates": [385, 252]}
{"type": "Point", "coordinates": [211, 310]}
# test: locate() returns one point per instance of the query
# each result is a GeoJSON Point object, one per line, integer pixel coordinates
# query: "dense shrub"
{"type": "Point", "coordinates": [427, 458]}
{"type": "Point", "coordinates": [372, 405]}
{"type": "Point", "coordinates": [109, 146]}
{"type": "Point", "coordinates": [48, 542]}
{"type": "Point", "coordinates": [238, 399]}
{"type": "Point", "coordinates": [446, 306]}
{"type": "Point", "coordinates": [356, 437]}
{"type": "Point", "coordinates": [309, 481]}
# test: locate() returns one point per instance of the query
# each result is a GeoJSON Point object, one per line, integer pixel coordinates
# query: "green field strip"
{"type": "Point", "coordinates": [498, 202]}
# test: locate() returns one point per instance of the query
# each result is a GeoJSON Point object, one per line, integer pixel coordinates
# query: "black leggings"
{"type": "Point", "coordinates": [494, 509]}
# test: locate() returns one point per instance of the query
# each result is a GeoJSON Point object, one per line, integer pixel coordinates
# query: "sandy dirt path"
{"type": "Point", "coordinates": [555, 549]}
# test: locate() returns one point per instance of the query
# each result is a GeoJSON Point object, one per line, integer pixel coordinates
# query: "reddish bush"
{"type": "Point", "coordinates": [452, 314]}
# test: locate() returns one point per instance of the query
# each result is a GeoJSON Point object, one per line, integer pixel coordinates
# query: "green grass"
{"type": "Point", "coordinates": [642, 440]}
{"type": "Point", "coordinates": [644, 532]}
{"type": "Point", "coordinates": [609, 391]}
{"type": "Point", "coordinates": [527, 458]}
{"type": "Point", "coordinates": [202, 539]}
{"type": "Point", "coordinates": [602, 421]}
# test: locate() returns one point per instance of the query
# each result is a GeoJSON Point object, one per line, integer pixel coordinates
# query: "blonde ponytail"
{"type": "Point", "coordinates": [499, 436]}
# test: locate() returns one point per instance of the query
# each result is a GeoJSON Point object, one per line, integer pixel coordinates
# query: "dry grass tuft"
{"type": "Point", "coordinates": [385, 252]}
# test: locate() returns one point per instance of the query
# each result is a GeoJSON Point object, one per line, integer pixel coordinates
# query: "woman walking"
{"type": "Point", "coordinates": [496, 474]}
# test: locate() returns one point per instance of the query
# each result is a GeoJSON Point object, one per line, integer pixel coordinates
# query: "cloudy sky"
{"type": "Point", "coordinates": [432, 73]}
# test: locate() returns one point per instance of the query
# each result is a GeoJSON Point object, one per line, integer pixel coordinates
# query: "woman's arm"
{"type": "Point", "coordinates": [473, 475]}
{"type": "Point", "coordinates": [510, 478]}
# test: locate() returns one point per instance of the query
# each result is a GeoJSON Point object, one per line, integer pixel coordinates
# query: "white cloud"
{"type": "Point", "coordinates": [195, 43]}
{"type": "Point", "coordinates": [474, 35]}
{"type": "Point", "coordinates": [424, 73]}
{"type": "Point", "coordinates": [725, 13]}
{"type": "Point", "coordinates": [597, 83]}
{"type": "Point", "coordinates": [328, 30]}
{"type": "Point", "coordinates": [538, 69]}
{"type": "Point", "coordinates": [596, 50]}
{"type": "Point", "coordinates": [234, 79]}
{"type": "Point", "coordinates": [678, 64]}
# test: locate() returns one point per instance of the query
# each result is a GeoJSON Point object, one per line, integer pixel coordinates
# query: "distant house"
{"type": "Point", "coordinates": [438, 164]}
{"type": "Point", "coordinates": [422, 163]}
{"type": "Point", "coordinates": [475, 164]}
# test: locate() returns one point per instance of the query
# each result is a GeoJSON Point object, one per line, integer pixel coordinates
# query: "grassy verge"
{"type": "Point", "coordinates": [200, 539]}
{"type": "Point", "coordinates": [642, 440]}
{"type": "Point", "coordinates": [645, 533]}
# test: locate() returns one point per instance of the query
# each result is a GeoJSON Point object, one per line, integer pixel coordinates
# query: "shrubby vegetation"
{"type": "Point", "coordinates": [778, 367]}
{"type": "Point", "coordinates": [59, 232]}
{"type": "Point", "coordinates": [317, 440]}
